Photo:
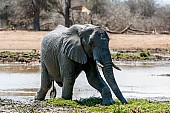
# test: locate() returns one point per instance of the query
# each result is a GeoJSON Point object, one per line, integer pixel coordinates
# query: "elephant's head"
{"type": "Point", "coordinates": [92, 41]}
{"type": "Point", "coordinates": [87, 41]}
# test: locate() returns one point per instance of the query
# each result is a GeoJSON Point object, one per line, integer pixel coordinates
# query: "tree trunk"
{"type": "Point", "coordinates": [36, 20]}
{"type": "Point", "coordinates": [36, 14]}
{"type": "Point", "coordinates": [67, 13]}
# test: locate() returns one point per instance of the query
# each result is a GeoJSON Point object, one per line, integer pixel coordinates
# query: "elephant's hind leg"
{"type": "Point", "coordinates": [46, 83]}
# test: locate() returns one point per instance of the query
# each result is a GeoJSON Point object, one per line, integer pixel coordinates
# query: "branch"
{"type": "Point", "coordinates": [137, 30]}
{"type": "Point", "coordinates": [128, 28]}
{"type": "Point", "coordinates": [110, 31]}
{"type": "Point", "coordinates": [124, 30]}
{"type": "Point", "coordinates": [118, 32]}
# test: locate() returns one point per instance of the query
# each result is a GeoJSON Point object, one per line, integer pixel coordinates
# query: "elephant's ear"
{"type": "Point", "coordinates": [73, 49]}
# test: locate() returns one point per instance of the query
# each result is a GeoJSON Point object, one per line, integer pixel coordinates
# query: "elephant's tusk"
{"type": "Point", "coordinates": [116, 66]}
{"type": "Point", "coordinates": [99, 64]}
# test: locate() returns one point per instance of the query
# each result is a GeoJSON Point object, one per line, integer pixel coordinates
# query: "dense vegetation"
{"type": "Point", "coordinates": [94, 105]}
{"type": "Point", "coordinates": [145, 15]}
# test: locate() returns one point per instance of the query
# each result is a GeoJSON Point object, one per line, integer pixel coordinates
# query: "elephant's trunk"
{"type": "Point", "coordinates": [104, 60]}
{"type": "Point", "coordinates": [109, 76]}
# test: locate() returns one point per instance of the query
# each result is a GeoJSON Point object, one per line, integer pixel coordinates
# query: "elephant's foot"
{"type": "Point", "coordinates": [124, 101]}
{"type": "Point", "coordinates": [108, 101]}
{"type": "Point", "coordinates": [40, 95]}
{"type": "Point", "coordinates": [107, 97]}
{"type": "Point", "coordinates": [66, 95]}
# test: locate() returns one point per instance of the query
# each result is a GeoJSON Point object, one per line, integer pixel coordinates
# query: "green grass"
{"type": "Point", "coordinates": [94, 105]}
{"type": "Point", "coordinates": [9, 53]}
{"type": "Point", "coordinates": [7, 56]}
{"type": "Point", "coordinates": [142, 55]}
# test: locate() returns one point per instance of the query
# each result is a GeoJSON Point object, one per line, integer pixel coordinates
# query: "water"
{"type": "Point", "coordinates": [142, 80]}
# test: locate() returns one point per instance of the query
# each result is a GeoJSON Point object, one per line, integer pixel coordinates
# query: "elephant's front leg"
{"type": "Point", "coordinates": [95, 80]}
{"type": "Point", "coordinates": [68, 83]}
{"type": "Point", "coordinates": [68, 74]}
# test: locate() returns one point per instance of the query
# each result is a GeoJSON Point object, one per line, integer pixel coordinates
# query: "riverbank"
{"type": "Point", "coordinates": [24, 44]}
{"type": "Point", "coordinates": [117, 55]}
{"type": "Point", "coordinates": [19, 57]}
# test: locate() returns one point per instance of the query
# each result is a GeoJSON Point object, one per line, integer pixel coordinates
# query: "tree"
{"type": "Point", "coordinates": [67, 12]}
{"type": "Point", "coordinates": [6, 11]}
{"type": "Point", "coordinates": [98, 6]}
{"type": "Point", "coordinates": [148, 7]}
{"type": "Point", "coordinates": [33, 8]}
{"type": "Point", "coordinates": [145, 8]}
{"type": "Point", "coordinates": [5, 14]}
{"type": "Point", "coordinates": [36, 5]}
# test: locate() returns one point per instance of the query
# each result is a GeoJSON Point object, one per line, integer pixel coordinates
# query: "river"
{"type": "Point", "coordinates": [136, 80]}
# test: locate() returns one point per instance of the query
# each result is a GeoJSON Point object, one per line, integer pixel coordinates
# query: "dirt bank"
{"type": "Point", "coordinates": [139, 41]}
{"type": "Point", "coordinates": [28, 40]}
{"type": "Point", "coordinates": [20, 40]}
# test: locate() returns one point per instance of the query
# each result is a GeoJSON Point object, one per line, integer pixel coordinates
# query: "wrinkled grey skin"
{"type": "Point", "coordinates": [65, 52]}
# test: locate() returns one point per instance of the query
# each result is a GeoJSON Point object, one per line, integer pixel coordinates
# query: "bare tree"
{"type": "Point", "coordinates": [33, 8]}
{"type": "Point", "coordinates": [6, 12]}
{"type": "Point", "coordinates": [145, 8]}
{"type": "Point", "coordinates": [144, 15]}
{"type": "Point", "coordinates": [36, 5]}
{"type": "Point", "coordinates": [58, 6]}
{"type": "Point", "coordinates": [67, 12]}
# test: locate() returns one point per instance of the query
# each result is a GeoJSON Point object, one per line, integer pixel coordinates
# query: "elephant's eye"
{"type": "Point", "coordinates": [103, 36]}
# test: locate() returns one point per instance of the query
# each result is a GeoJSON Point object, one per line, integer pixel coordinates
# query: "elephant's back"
{"type": "Point", "coordinates": [56, 33]}
{"type": "Point", "coordinates": [54, 37]}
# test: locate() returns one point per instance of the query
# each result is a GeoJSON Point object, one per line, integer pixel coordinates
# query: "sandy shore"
{"type": "Point", "coordinates": [28, 40]}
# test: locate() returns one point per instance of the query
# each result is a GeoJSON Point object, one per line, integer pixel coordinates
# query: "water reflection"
{"type": "Point", "coordinates": [20, 81]}
{"type": "Point", "coordinates": [19, 68]}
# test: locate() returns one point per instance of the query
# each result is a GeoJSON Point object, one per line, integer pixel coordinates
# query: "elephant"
{"type": "Point", "coordinates": [66, 52]}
